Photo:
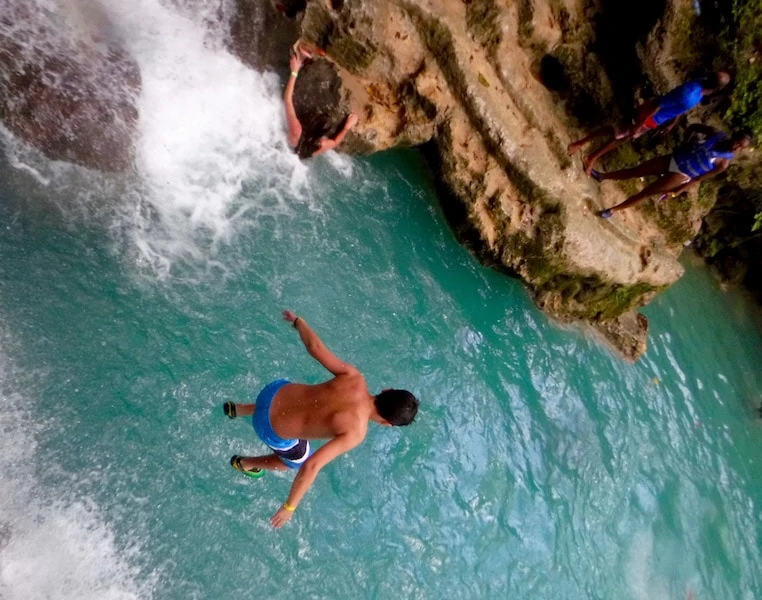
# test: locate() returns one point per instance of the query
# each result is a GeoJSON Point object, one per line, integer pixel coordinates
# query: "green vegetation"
{"type": "Point", "coordinates": [727, 36]}
{"type": "Point", "coordinates": [744, 43]}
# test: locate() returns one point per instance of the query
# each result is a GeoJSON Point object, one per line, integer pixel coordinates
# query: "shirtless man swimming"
{"type": "Point", "coordinates": [286, 415]}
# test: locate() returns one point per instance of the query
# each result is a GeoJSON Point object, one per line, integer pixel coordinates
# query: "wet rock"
{"type": "Point", "coordinates": [472, 82]}
{"type": "Point", "coordinates": [627, 334]}
{"type": "Point", "coordinates": [262, 32]}
{"type": "Point", "coordinates": [67, 87]}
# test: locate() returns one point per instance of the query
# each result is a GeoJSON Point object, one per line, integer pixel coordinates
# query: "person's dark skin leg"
{"type": "Point", "coordinates": [665, 184]}
{"type": "Point", "coordinates": [244, 410]}
{"type": "Point", "coordinates": [270, 463]}
{"type": "Point", "coordinates": [589, 161]}
{"type": "Point", "coordinates": [574, 147]}
{"type": "Point", "coordinates": [655, 166]}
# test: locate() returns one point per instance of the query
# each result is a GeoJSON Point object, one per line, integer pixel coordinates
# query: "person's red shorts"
{"type": "Point", "coordinates": [625, 131]}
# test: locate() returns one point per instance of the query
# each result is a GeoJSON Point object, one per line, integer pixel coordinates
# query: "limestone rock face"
{"type": "Point", "coordinates": [486, 86]}
{"type": "Point", "coordinates": [65, 88]}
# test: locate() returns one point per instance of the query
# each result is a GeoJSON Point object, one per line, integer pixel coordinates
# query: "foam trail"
{"type": "Point", "coordinates": [50, 548]}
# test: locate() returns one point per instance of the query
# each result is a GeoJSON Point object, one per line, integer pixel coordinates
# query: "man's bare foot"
{"type": "Point", "coordinates": [572, 149]}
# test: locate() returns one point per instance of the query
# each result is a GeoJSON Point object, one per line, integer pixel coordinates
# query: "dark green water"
{"type": "Point", "coordinates": [540, 466]}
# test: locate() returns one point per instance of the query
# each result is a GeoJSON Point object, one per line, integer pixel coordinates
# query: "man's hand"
{"type": "Point", "coordinates": [281, 517]}
{"type": "Point", "coordinates": [295, 62]}
{"type": "Point", "coordinates": [351, 121]}
{"type": "Point", "coordinates": [289, 316]}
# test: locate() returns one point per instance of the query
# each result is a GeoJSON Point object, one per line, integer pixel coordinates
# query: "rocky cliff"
{"type": "Point", "coordinates": [495, 91]}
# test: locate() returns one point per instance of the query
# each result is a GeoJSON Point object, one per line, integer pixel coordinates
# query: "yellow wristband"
{"type": "Point", "coordinates": [294, 73]}
{"type": "Point", "coordinates": [288, 507]}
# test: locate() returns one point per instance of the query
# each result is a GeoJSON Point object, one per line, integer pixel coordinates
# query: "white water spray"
{"type": "Point", "coordinates": [211, 155]}
{"type": "Point", "coordinates": [51, 548]}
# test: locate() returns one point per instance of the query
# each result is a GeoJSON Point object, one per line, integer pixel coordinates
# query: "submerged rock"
{"type": "Point", "coordinates": [67, 86]}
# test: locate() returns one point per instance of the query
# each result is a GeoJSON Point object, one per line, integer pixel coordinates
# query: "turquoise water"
{"type": "Point", "coordinates": [541, 466]}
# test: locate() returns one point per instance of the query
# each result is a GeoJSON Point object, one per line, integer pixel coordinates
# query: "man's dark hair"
{"type": "Point", "coordinates": [743, 134]}
{"type": "Point", "coordinates": [398, 407]}
{"type": "Point", "coordinates": [727, 145]}
{"type": "Point", "coordinates": [715, 81]}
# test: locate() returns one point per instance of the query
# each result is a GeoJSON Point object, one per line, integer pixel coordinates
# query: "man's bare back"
{"type": "Point", "coordinates": [338, 406]}
{"type": "Point", "coordinates": [286, 415]}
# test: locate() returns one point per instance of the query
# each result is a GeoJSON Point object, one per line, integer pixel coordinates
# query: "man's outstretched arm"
{"type": "Point", "coordinates": [316, 347]}
{"type": "Point", "coordinates": [308, 472]}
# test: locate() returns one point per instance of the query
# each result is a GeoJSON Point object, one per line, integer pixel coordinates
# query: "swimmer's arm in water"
{"type": "Point", "coordinates": [327, 144]}
{"type": "Point", "coordinates": [316, 347]}
{"type": "Point", "coordinates": [309, 470]}
{"type": "Point", "coordinates": [294, 126]}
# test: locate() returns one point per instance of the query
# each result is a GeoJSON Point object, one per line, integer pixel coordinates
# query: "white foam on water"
{"type": "Point", "coordinates": [51, 548]}
{"type": "Point", "coordinates": [642, 579]}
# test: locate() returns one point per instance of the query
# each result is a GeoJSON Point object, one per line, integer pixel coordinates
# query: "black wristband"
{"type": "Point", "coordinates": [295, 320]}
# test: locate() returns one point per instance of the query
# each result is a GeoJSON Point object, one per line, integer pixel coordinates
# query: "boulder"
{"type": "Point", "coordinates": [67, 89]}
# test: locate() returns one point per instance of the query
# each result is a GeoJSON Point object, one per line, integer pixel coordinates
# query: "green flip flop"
{"type": "Point", "coordinates": [235, 462]}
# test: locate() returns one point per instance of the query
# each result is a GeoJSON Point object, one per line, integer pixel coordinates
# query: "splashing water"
{"type": "Point", "coordinates": [540, 465]}
{"type": "Point", "coordinates": [209, 129]}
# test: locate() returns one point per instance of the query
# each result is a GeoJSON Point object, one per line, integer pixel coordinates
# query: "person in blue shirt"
{"type": "Point", "coordinates": [652, 114]}
{"type": "Point", "coordinates": [687, 166]}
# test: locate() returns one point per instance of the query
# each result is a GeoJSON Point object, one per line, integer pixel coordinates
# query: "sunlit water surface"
{"type": "Point", "coordinates": [132, 307]}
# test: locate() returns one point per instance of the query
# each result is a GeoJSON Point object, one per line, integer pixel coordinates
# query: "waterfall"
{"type": "Point", "coordinates": [210, 156]}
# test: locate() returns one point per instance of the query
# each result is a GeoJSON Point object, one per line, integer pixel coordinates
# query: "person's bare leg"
{"type": "Point", "coordinates": [589, 161]}
{"type": "Point", "coordinates": [574, 147]}
{"type": "Point", "coordinates": [665, 184]}
{"type": "Point", "coordinates": [244, 410]}
{"type": "Point", "coordinates": [270, 463]}
{"type": "Point", "coordinates": [655, 166]}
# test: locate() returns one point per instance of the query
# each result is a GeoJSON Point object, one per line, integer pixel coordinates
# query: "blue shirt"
{"type": "Point", "coordinates": [700, 157]}
{"type": "Point", "coordinates": [678, 101]}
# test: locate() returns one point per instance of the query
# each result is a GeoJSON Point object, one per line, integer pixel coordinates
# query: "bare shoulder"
{"type": "Point", "coordinates": [352, 376]}
{"type": "Point", "coordinates": [351, 424]}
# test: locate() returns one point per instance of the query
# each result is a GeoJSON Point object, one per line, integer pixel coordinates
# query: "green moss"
{"type": "Point", "coordinates": [593, 299]}
{"type": "Point", "coordinates": [482, 20]}
{"type": "Point", "coordinates": [728, 36]}
{"type": "Point", "coordinates": [526, 14]}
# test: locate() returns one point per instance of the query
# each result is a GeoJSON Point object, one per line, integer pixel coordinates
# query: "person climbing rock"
{"type": "Point", "coordinates": [286, 415]}
{"type": "Point", "coordinates": [309, 139]}
{"type": "Point", "coordinates": [687, 166]}
{"type": "Point", "coordinates": [652, 114]}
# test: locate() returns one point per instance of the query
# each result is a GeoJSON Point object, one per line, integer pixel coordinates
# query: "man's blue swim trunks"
{"type": "Point", "coordinates": [293, 453]}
